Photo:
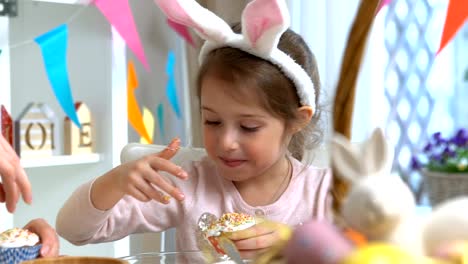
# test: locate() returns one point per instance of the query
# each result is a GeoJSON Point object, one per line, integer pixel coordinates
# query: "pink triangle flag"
{"type": "Point", "coordinates": [182, 31]}
{"type": "Point", "coordinates": [119, 14]}
{"type": "Point", "coordinates": [382, 4]}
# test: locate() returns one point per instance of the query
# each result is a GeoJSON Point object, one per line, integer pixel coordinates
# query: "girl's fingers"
{"type": "Point", "coordinates": [156, 163]}
{"type": "Point", "coordinates": [170, 150]}
{"type": "Point", "coordinates": [257, 242]}
{"type": "Point", "coordinates": [138, 194]}
{"type": "Point", "coordinates": [251, 232]}
{"type": "Point", "coordinates": [251, 254]}
{"type": "Point", "coordinates": [152, 192]}
{"type": "Point", "coordinates": [166, 186]}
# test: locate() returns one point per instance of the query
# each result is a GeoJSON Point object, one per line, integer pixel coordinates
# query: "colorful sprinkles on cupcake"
{"type": "Point", "coordinates": [230, 222]}
{"type": "Point", "coordinates": [18, 237]}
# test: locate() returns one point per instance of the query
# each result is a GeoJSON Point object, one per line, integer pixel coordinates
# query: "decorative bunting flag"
{"type": "Point", "coordinates": [53, 45]}
{"type": "Point", "coordinates": [148, 121]}
{"type": "Point", "coordinates": [134, 115]}
{"type": "Point", "coordinates": [171, 90]}
{"type": "Point", "coordinates": [457, 14]}
{"type": "Point", "coordinates": [182, 31]}
{"type": "Point", "coordinates": [382, 4]}
{"type": "Point", "coordinates": [119, 14]}
{"type": "Point", "coordinates": [160, 114]}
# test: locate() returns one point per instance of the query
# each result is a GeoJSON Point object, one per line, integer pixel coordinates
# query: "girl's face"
{"type": "Point", "coordinates": [242, 138]}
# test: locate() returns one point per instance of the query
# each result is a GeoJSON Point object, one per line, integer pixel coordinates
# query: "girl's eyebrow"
{"type": "Point", "coordinates": [240, 115]}
{"type": "Point", "coordinates": [208, 109]}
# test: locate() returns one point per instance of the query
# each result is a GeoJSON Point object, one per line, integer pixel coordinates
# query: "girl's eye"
{"type": "Point", "coordinates": [212, 123]}
{"type": "Point", "coordinates": [249, 129]}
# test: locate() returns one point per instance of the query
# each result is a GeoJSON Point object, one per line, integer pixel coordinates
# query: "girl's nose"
{"type": "Point", "coordinates": [229, 140]}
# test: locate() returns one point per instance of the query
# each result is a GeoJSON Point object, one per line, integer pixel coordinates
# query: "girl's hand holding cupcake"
{"type": "Point", "coordinates": [259, 238]}
{"type": "Point", "coordinates": [140, 179]}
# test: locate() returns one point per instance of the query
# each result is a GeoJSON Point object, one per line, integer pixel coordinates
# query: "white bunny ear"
{"type": "Point", "coordinates": [377, 154]}
{"type": "Point", "coordinates": [189, 13]}
{"type": "Point", "coordinates": [263, 23]}
{"type": "Point", "coordinates": [345, 159]}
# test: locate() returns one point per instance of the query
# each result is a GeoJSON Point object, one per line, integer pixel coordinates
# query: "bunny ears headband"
{"type": "Point", "coordinates": [263, 23]}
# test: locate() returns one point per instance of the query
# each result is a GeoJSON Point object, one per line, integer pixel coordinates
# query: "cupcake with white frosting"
{"type": "Point", "coordinates": [17, 245]}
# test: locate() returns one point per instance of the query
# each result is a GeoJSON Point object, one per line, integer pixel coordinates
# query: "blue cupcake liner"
{"type": "Point", "coordinates": [18, 254]}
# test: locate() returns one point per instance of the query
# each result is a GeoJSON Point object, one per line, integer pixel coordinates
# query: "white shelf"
{"type": "Point", "coordinates": [60, 160]}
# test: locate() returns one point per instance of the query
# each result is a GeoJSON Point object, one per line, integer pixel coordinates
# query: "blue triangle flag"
{"type": "Point", "coordinates": [171, 89]}
{"type": "Point", "coordinates": [53, 45]}
{"type": "Point", "coordinates": [160, 114]}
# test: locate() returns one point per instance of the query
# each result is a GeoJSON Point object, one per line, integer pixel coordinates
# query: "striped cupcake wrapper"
{"type": "Point", "coordinates": [18, 254]}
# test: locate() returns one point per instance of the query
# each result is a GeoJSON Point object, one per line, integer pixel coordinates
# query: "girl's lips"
{"type": "Point", "coordinates": [232, 162]}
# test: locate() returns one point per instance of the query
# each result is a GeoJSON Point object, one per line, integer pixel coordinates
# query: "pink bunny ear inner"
{"type": "Point", "coordinates": [262, 15]}
{"type": "Point", "coordinates": [175, 12]}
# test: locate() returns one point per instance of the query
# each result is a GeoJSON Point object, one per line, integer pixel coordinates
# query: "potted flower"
{"type": "Point", "coordinates": [444, 165]}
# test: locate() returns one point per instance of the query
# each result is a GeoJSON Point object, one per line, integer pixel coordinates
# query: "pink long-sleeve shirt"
{"type": "Point", "coordinates": [307, 196]}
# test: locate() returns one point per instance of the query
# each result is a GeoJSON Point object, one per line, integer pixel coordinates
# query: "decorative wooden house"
{"type": "Point", "coordinates": [36, 132]}
{"type": "Point", "coordinates": [6, 125]}
{"type": "Point", "coordinates": [79, 140]}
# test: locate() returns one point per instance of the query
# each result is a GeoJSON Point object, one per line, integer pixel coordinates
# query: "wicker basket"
{"type": "Point", "coordinates": [442, 186]}
{"type": "Point", "coordinates": [76, 260]}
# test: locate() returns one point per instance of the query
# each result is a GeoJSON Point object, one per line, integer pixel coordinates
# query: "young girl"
{"type": "Point", "coordinates": [258, 103]}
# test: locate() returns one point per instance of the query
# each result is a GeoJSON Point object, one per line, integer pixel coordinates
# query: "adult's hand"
{"type": "Point", "coordinates": [15, 182]}
{"type": "Point", "coordinates": [47, 235]}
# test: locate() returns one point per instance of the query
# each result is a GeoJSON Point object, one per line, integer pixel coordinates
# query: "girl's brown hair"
{"type": "Point", "coordinates": [275, 92]}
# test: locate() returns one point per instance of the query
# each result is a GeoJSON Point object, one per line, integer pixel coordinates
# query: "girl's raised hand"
{"type": "Point", "coordinates": [140, 179]}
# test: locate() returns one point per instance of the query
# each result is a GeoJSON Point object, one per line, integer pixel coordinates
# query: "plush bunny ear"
{"type": "Point", "coordinates": [189, 13]}
{"type": "Point", "coordinates": [263, 23]}
{"type": "Point", "coordinates": [345, 158]}
{"type": "Point", "coordinates": [377, 155]}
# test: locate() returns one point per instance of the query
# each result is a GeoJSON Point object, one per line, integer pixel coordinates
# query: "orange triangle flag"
{"type": "Point", "coordinates": [457, 13]}
{"type": "Point", "coordinates": [134, 114]}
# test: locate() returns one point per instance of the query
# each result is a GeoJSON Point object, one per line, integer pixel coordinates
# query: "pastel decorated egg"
{"type": "Point", "coordinates": [319, 241]}
{"type": "Point", "coordinates": [385, 254]}
{"type": "Point", "coordinates": [454, 251]}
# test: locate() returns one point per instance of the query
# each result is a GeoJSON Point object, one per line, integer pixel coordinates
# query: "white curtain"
{"type": "Point", "coordinates": [325, 26]}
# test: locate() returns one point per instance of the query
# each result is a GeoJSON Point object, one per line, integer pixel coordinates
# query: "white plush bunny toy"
{"type": "Point", "coordinates": [379, 205]}
{"type": "Point", "coordinates": [382, 207]}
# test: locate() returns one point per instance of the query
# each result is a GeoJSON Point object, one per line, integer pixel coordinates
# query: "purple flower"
{"type": "Point", "coordinates": [461, 138]}
{"type": "Point", "coordinates": [448, 152]}
{"type": "Point", "coordinates": [437, 136]}
{"type": "Point", "coordinates": [415, 164]}
{"type": "Point", "coordinates": [427, 148]}
{"type": "Point", "coordinates": [435, 157]}
{"type": "Point", "coordinates": [443, 154]}
{"type": "Point", "coordinates": [461, 133]}
{"type": "Point", "coordinates": [460, 142]}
